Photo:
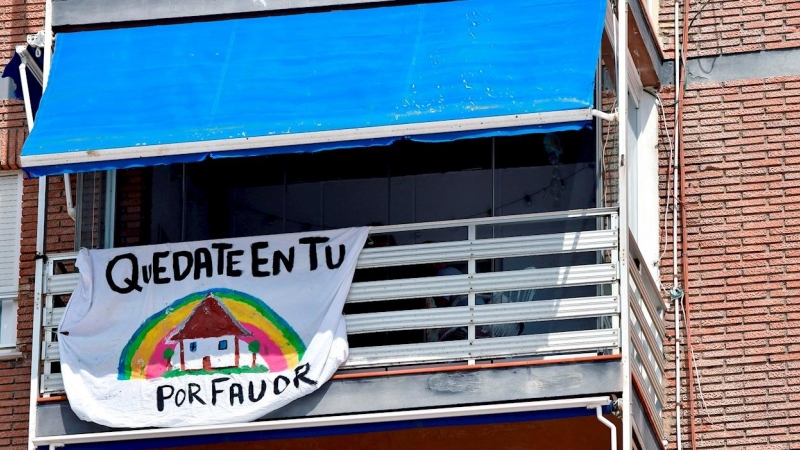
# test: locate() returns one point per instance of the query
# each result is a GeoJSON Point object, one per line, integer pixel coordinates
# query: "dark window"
{"type": "Point", "coordinates": [223, 345]}
{"type": "Point", "coordinates": [405, 182]}
{"type": "Point", "coordinates": [193, 347]}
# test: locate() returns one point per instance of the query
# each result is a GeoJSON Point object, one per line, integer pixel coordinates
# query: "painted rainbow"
{"type": "Point", "coordinates": [143, 356]}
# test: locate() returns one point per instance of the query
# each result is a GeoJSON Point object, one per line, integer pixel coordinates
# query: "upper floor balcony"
{"type": "Point", "coordinates": [499, 293]}
{"type": "Point", "coordinates": [508, 322]}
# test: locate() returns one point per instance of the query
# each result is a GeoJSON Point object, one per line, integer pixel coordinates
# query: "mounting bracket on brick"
{"type": "Point", "coordinates": [36, 40]}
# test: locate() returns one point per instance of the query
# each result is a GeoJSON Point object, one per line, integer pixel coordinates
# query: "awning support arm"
{"type": "Point", "coordinates": [24, 67]}
{"type": "Point", "coordinates": [29, 64]}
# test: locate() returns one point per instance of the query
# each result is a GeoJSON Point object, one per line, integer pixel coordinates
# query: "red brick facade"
{"type": "Point", "coordinates": [722, 27]}
{"type": "Point", "coordinates": [17, 20]}
{"type": "Point", "coordinates": [742, 141]}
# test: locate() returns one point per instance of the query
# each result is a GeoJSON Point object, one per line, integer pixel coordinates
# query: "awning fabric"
{"type": "Point", "coordinates": [315, 81]}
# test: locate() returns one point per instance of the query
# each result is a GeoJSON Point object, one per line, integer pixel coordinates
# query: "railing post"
{"type": "Point", "coordinates": [38, 285]}
{"type": "Point", "coordinates": [625, 403]}
{"type": "Point", "coordinates": [471, 233]}
{"type": "Point", "coordinates": [615, 287]}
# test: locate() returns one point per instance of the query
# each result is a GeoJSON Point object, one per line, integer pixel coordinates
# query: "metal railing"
{"type": "Point", "coordinates": [489, 296]}
{"type": "Point", "coordinates": [647, 331]}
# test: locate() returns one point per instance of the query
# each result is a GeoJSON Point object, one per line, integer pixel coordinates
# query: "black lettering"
{"type": "Point", "coordinates": [251, 391]}
{"type": "Point", "coordinates": [158, 269]}
{"type": "Point", "coordinates": [300, 375]}
{"type": "Point", "coordinates": [279, 258]}
{"type": "Point", "coordinates": [179, 399]}
{"type": "Point", "coordinates": [178, 273]}
{"type": "Point", "coordinates": [329, 256]}
{"type": "Point", "coordinates": [147, 273]}
{"type": "Point", "coordinates": [194, 389]}
{"type": "Point", "coordinates": [214, 390]}
{"type": "Point", "coordinates": [202, 261]}
{"type": "Point", "coordinates": [276, 384]}
{"type": "Point", "coordinates": [160, 397]}
{"type": "Point", "coordinates": [132, 283]}
{"type": "Point", "coordinates": [258, 261]}
{"type": "Point", "coordinates": [312, 249]}
{"type": "Point", "coordinates": [229, 270]}
{"type": "Point", "coordinates": [237, 392]}
{"type": "Point", "coordinates": [221, 247]}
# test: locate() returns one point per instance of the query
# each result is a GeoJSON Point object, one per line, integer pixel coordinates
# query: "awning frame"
{"type": "Point", "coordinates": [319, 137]}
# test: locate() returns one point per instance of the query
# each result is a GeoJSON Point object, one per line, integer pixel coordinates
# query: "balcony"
{"type": "Point", "coordinates": [566, 323]}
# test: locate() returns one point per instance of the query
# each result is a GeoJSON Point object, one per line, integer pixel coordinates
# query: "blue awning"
{"type": "Point", "coordinates": [307, 82]}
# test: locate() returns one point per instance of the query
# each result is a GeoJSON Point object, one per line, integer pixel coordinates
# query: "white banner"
{"type": "Point", "coordinates": [206, 332]}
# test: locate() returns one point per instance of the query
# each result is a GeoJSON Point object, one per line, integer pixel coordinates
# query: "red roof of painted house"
{"type": "Point", "coordinates": [209, 319]}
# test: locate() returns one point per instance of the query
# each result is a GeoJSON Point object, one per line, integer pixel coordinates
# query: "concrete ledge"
{"type": "Point", "coordinates": [405, 392]}
{"type": "Point", "coordinates": [98, 12]}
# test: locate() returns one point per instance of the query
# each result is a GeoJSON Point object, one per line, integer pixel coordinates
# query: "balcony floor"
{"type": "Point", "coordinates": [440, 387]}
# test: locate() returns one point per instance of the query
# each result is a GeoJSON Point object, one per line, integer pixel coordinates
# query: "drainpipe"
{"type": "Point", "coordinates": [684, 246]}
{"type": "Point", "coordinates": [677, 308]}
{"type": "Point", "coordinates": [68, 194]}
{"type": "Point", "coordinates": [599, 411]}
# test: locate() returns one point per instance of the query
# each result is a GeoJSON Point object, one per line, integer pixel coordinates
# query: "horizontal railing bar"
{"type": "Point", "coordinates": [540, 344]}
{"type": "Point", "coordinates": [489, 348]}
{"type": "Point", "coordinates": [50, 351]}
{"type": "Point", "coordinates": [648, 368]}
{"type": "Point", "coordinates": [488, 248]}
{"type": "Point", "coordinates": [648, 284]}
{"type": "Point", "coordinates": [50, 383]}
{"type": "Point", "coordinates": [649, 304]}
{"type": "Point", "coordinates": [532, 311]}
{"type": "Point", "coordinates": [61, 256]}
{"type": "Point", "coordinates": [646, 397]}
{"type": "Point", "coordinates": [501, 220]}
{"type": "Point", "coordinates": [53, 317]}
{"type": "Point", "coordinates": [61, 284]}
{"type": "Point", "coordinates": [482, 283]}
{"type": "Point", "coordinates": [650, 337]}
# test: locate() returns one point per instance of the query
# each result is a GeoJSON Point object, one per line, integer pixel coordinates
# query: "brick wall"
{"type": "Point", "coordinates": [132, 219]}
{"type": "Point", "coordinates": [18, 18]}
{"type": "Point", "coordinates": [13, 130]}
{"type": "Point", "coordinates": [734, 26]}
{"type": "Point", "coordinates": [15, 373]}
{"type": "Point", "coordinates": [610, 152]}
{"type": "Point", "coordinates": [742, 142]}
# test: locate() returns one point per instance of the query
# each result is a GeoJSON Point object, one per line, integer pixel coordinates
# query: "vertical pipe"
{"type": "Point", "coordinates": [471, 234]}
{"type": "Point", "coordinates": [676, 309]}
{"type": "Point", "coordinates": [48, 41]}
{"type": "Point", "coordinates": [68, 195]}
{"type": "Point", "coordinates": [599, 411]}
{"type": "Point", "coordinates": [684, 240]}
{"type": "Point", "coordinates": [38, 286]}
{"type": "Point", "coordinates": [183, 202]}
{"type": "Point", "coordinates": [110, 209]}
{"type": "Point", "coordinates": [622, 141]}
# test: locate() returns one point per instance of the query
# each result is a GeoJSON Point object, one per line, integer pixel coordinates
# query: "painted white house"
{"type": "Point", "coordinates": [209, 338]}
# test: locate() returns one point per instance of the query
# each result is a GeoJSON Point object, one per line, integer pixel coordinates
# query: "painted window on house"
{"type": "Point", "coordinates": [223, 345]}
{"type": "Point", "coordinates": [193, 347]}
